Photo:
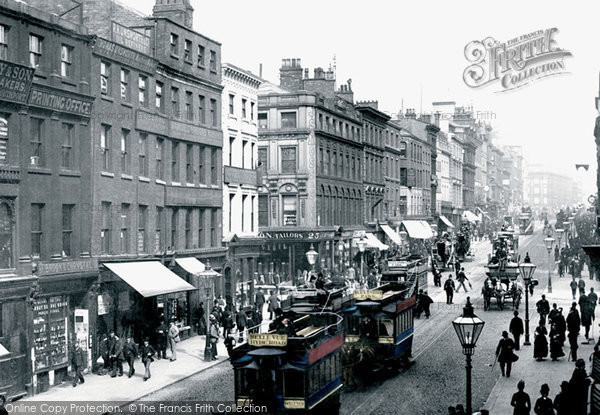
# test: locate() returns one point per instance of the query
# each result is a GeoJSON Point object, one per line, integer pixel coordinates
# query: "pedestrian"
{"type": "Point", "coordinates": [540, 343]}
{"type": "Point", "coordinates": [173, 340]}
{"type": "Point", "coordinates": [578, 388]}
{"type": "Point", "coordinates": [586, 314]}
{"type": "Point", "coordinates": [456, 265]}
{"type": "Point", "coordinates": [3, 410]}
{"type": "Point", "coordinates": [581, 286]}
{"type": "Point", "coordinates": [520, 400]}
{"type": "Point", "coordinates": [437, 275]}
{"type": "Point", "coordinates": [274, 302]}
{"type": "Point", "coordinates": [556, 342]}
{"type": "Point", "coordinates": [449, 288]}
{"type": "Point", "coordinates": [573, 285]}
{"type": "Point", "coordinates": [147, 352]}
{"type": "Point", "coordinates": [556, 253]}
{"type": "Point", "coordinates": [451, 410]}
{"type": "Point", "coordinates": [573, 325]}
{"type": "Point", "coordinates": [161, 340]}
{"type": "Point", "coordinates": [553, 313]}
{"type": "Point", "coordinates": [117, 357]}
{"type": "Point", "coordinates": [214, 337]}
{"type": "Point", "coordinates": [505, 354]}
{"type": "Point", "coordinates": [592, 301]}
{"type": "Point", "coordinates": [111, 344]}
{"type": "Point", "coordinates": [460, 410]}
{"type": "Point", "coordinates": [242, 322]}
{"type": "Point", "coordinates": [79, 363]}
{"type": "Point", "coordinates": [200, 320]}
{"type": "Point", "coordinates": [130, 351]}
{"type": "Point", "coordinates": [461, 277]}
{"type": "Point", "coordinates": [260, 301]}
{"type": "Point", "coordinates": [424, 302]}
{"type": "Point", "coordinates": [229, 343]}
{"type": "Point", "coordinates": [103, 350]}
{"type": "Point", "coordinates": [561, 269]}
{"type": "Point", "coordinates": [543, 308]}
{"type": "Point", "coordinates": [516, 329]}
{"type": "Point", "coordinates": [227, 321]}
{"type": "Point", "coordinates": [544, 406]}
{"type": "Point", "coordinates": [221, 303]}
{"type": "Point", "coordinates": [562, 401]}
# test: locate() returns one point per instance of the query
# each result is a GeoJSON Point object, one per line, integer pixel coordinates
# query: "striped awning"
{"type": "Point", "coordinates": [391, 234]}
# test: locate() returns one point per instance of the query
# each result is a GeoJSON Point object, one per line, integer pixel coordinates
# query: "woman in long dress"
{"type": "Point", "coordinates": [556, 343]}
{"type": "Point", "coordinates": [540, 344]}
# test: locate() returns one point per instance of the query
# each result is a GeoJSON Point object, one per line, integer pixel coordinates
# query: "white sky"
{"type": "Point", "coordinates": [393, 49]}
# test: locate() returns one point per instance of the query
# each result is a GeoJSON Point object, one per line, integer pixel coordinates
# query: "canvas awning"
{"type": "Point", "coordinates": [149, 278]}
{"type": "Point", "coordinates": [373, 242]}
{"type": "Point", "coordinates": [446, 222]}
{"type": "Point", "coordinates": [191, 265]}
{"type": "Point", "coordinates": [470, 216]}
{"type": "Point", "coordinates": [418, 229]}
{"type": "Point", "coordinates": [391, 234]}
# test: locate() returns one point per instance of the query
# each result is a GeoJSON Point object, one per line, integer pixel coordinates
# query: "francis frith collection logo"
{"type": "Point", "coordinates": [515, 63]}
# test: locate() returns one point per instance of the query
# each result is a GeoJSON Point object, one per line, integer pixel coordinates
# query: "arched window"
{"type": "Point", "coordinates": [6, 236]}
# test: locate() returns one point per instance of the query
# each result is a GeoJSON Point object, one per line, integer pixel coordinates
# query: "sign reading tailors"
{"type": "Point", "coordinates": [130, 38]}
{"type": "Point", "coordinates": [15, 82]}
{"type": "Point", "coordinates": [278, 340]}
{"type": "Point", "coordinates": [59, 101]}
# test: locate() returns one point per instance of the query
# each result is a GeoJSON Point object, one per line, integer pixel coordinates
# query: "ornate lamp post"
{"type": "Point", "coordinates": [362, 244]}
{"type": "Point", "coordinates": [527, 269]}
{"type": "Point", "coordinates": [468, 327]}
{"type": "Point", "coordinates": [549, 242]}
{"type": "Point", "coordinates": [311, 257]}
{"type": "Point", "coordinates": [207, 282]}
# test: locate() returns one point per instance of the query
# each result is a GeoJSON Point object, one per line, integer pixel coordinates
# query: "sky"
{"type": "Point", "coordinates": [409, 54]}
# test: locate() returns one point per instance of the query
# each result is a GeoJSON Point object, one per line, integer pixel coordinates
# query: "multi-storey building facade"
{"type": "Point", "coordinates": [514, 161]}
{"type": "Point", "coordinates": [310, 150]}
{"type": "Point", "coordinates": [550, 190]}
{"type": "Point", "coordinates": [444, 200]}
{"type": "Point", "coordinates": [395, 185]}
{"type": "Point", "coordinates": [240, 194]}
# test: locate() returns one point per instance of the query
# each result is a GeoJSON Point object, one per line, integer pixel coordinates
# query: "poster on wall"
{"type": "Point", "coordinates": [50, 332]}
{"type": "Point", "coordinates": [104, 304]}
{"type": "Point", "coordinates": [82, 331]}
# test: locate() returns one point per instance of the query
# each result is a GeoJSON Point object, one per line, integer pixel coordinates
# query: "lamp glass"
{"type": "Point", "coordinates": [527, 270]}
{"type": "Point", "coordinates": [311, 255]}
{"type": "Point", "coordinates": [468, 330]}
{"type": "Point", "coordinates": [549, 242]}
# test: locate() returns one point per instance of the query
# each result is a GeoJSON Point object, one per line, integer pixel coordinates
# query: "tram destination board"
{"type": "Point", "coordinates": [259, 340]}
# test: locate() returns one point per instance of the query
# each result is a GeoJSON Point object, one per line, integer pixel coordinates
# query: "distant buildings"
{"type": "Point", "coordinates": [551, 190]}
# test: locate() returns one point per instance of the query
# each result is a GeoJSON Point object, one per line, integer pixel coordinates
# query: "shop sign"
{"type": "Point", "coordinates": [15, 82]}
{"type": "Point", "coordinates": [260, 340]}
{"type": "Point", "coordinates": [67, 267]}
{"type": "Point", "coordinates": [362, 295]}
{"type": "Point", "coordinates": [397, 264]}
{"type": "Point", "coordinates": [124, 55]}
{"type": "Point", "coordinates": [296, 236]}
{"type": "Point", "coordinates": [130, 38]}
{"type": "Point", "coordinates": [60, 101]}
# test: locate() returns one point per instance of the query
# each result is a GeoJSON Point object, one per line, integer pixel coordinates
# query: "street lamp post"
{"type": "Point", "coordinates": [527, 269]}
{"type": "Point", "coordinates": [362, 244]}
{"type": "Point", "coordinates": [468, 327]}
{"type": "Point", "coordinates": [549, 242]}
{"type": "Point", "coordinates": [311, 257]}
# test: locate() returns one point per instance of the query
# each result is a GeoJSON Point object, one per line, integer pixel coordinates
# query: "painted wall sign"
{"type": "Point", "coordinates": [128, 56]}
{"type": "Point", "coordinates": [59, 101]}
{"type": "Point", "coordinates": [130, 38]}
{"type": "Point", "coordinates": [15, 82]}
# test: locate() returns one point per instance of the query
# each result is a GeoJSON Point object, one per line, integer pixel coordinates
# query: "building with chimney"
{"type": "Point", "coordinates": [240, 185]}
{"type": "Point", "coordinates": [310, 153]}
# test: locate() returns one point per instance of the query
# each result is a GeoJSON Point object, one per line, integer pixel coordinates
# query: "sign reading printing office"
{"type": "Point", "coordinates": [515, 63]}
{"type": "Point", "coordinates": [58, 101]}
{"type": "Point", "coordinates": [130, 38]}
{"type": "Point", "coordinates": [15, 82]}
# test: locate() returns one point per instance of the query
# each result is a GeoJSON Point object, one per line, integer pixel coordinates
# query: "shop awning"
{"type": "Point", "coordinates": [446, 222]}
{"type": "Point", "coordinates": [391, 234]}
{"type": "Point", "coordinates": [470, 216]}
{"type": "Point", "coordinates": [373, 242]}
{"type": "Point", "coordinates": [149, 278]}
{"type": "Point", "coordinates": [418, 229]}
{"type": "Point", "coordinates": [191, 265]}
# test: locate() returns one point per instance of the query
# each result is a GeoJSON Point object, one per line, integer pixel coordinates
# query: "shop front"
{"type": "Point", "coordinates": [241, 269]}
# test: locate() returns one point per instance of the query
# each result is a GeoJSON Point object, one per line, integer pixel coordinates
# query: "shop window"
{"type": "Point", "coordinates": [6, 239]}
{"type": "Point", "coordinates": [290, 208]}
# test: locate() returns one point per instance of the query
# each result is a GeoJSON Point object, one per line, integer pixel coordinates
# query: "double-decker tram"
{"type": "Point", "coordinates": [296, 368]}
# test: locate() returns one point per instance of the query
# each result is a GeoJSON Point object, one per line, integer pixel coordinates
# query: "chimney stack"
{"type": "Point", "coordinates": [180, 11]}
{"type": "Point", "coordinates": [290, 74]}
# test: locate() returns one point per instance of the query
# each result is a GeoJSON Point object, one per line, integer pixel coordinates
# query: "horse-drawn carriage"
{"type": "Point", "coordinates": [503, 271]}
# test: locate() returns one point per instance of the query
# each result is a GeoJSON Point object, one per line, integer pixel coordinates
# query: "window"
{"type": "Point", "coordinates": [288, 159]}
{"type": "Point", "coordinates": [159, 96]}
{"type": "Point", "coordinates": [160, 156]}
{"type": "Point", "coordinates": [231, 149]}
{"type": "Point", "coordinates": [124, 235]}
{"type": "Point", "coordinates": [213, 61]}
{"type": "Point", "coordinates": [3, 42]}
{"type": "Point", "coordinates": [289, 210]}
{"type": "Point", "coordinates": [159, 235]}
{"type": "Point", "coordinates": [105, 147]}
{"type": "Point", "coordinates": [189, 163]}
{"type": "Point", "coordinates": [174, 41]}
{"type": "Point", "coordinates": [403, 149]}
{"type": "Point", "coordinates": [213, 166]}
{"type": "Point", "coordinates": [175, 161]}
{"type": "Point", "coordinates": [189, 101]}
{"type": "Point", "coordinates": [6, 235]}
{"type": "Point", "coordinates": [243, 215]}
{"type": "Point", "coordinates": [188, 228]}
{"type": "Point", "coordinates": [201, 109]}
{"type": "Point", "coordinates": [403, 176]}
{"type": "Point", "coordinates": [244, 152]}
{"type": "Point", "coordinates": [105, 231]}
{"type": "Point", "coordinates": [37, 146]}
{"type": "Point", "coordinates": [125, 154]}
{"type": "Point", "coordinates": [125, 95]}
{"type": "Point", "coordinates": [174, 214]}
{"type": "Point", "coordinates": [105, 78]}
{"type": "Point", "coordinates": [244, 102]}
{"type": "Point", "coordinates": [214, 222]}
{"type": "Point", "coordinates": [252, 105]}
{"type": "Point", "coordinates": [66, 61]}
{"type": "Point", "coordinates": [67, 146]}
{"type": "Point", "coordinates": [263, 210]}
{"type": "Point", "coordinates": [288, 120]}
{"type": "Point", "coordinates": [142, 226]}
{"type": "Point", "coordinates": [201, 56]}
{"type": "Point", "coordinates": [201, 164]}
{"type": "Point", "coordinates": [213, 113]}
{"type": "Point", "coordinates": [263, 121]}
{"type": "Point", "coordinates": [67, 229]}
{"type": "Point", "coordinates": [175, 101]}
{"type": "Point", "coordinates": [252, 201]}
{"type": "Point", "coordinates": [142, 158]}
{"type": "Point", "coordinates": [143, 90]}
{"type": "Point", "coordinates": [35, 50]}
{"type": "Point", "coordinates": [252, 146]}
{"type": "Point", "coordinates": [231, 102]}
{"type": "Point", "coordinates": [37, 212]}
{"type": "Point", "coordinates": [187, 50]}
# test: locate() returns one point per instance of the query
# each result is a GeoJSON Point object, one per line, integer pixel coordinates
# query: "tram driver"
{"type": "Point", "coordinates": [368, 328]}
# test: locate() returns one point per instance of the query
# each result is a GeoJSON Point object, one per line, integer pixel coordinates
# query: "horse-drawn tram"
{"type": "Point", "coordinates": [294, 369]}
{"type": "Point", "coordinates": [503, 272]}
{"type": "Point", "coordinates": [411, 270]}
{"type": "Point", "coordinates": [379, 328]}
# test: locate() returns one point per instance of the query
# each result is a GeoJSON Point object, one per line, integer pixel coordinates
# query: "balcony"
{"type": "Point", "coordinates": [235, 175]}
{"type": "Point", "coordinates": [9, 174]}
